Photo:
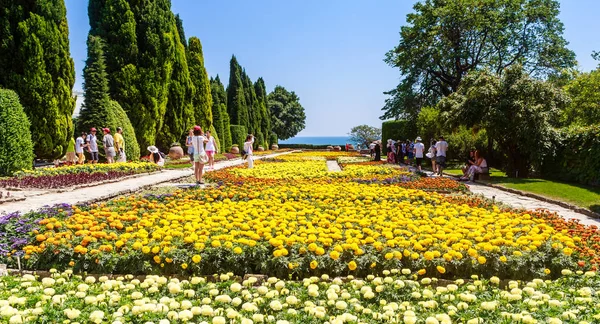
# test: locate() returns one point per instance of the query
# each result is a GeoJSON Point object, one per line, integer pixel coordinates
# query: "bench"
{"type": "Point", "coordinates": [482, 176]}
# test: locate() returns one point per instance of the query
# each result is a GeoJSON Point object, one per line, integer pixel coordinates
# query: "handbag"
{"type": "Point", "coordinates": [202, 156]}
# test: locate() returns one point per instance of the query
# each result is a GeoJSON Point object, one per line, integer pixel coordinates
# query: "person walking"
{"type": "Point", "coordinates": [190, 146]}
{"type": "Point", "coordinates": [390, 151]}
{"type": "Point", "coordinates": [441, 147]}
{"type": "Point", "coordinates": [372, 149]}
{"type": "Point", "coordinates": [431, 155]}
{"type": "Point", "coordinates": [71, 152]}
{"type": "Point", "coordinates": [211, 150]}
{"type": "Point", "coordinates": [200, 157]}
{"type": "Point", "coordinates": [403, 151]}
{"type": "Point", "coordinates": [79, 146]}
{"type": "Point", "coordinates": [377, 151]}
{"type": "Point", "coordinates": [410, 152]}
{"type": "Point", "coordinates": [109, 146]}
{"type": "Point", "coordinates": [248, 149]}
{"type": "Point", "coordinates": [120, 145]}
{"type": "Point", "coordinates": [92, 146]}
{"type": "Point", "coordinates": [419, 148]}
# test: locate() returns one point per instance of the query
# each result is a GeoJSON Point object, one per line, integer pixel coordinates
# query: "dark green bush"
{"type": "Point", "coordinates": [397, 130]}
{"type": "Point", "coordinates": [16, 147]}
{"type": "Point", "coordinates": [272, 139]}
{"type": "Point", "coordinates": [238, 135]}
{"type": "Point", "coordinates": [118, 118]}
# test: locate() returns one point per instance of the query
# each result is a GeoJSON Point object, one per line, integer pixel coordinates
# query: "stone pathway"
{"type": "Point", "coordinates": [333, 166]}
{"type": "Point", "coordinates": [110, 190]}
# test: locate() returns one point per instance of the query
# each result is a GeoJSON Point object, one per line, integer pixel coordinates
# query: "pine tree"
{"type": "Point", "coordinates": [222, 96]}
{"type": "Point", "coordinates": [95, 108]}
{"type": "Point", "coordinates": [216, 112]}
{"type": "Point", "coordinates": [236, 100]}
{"type": "Point", "coordinates": [36, 63]}
{"type": "Point", "coordinates": [180, 30]}
{"type": "Point", "coordinates": [202, 99]}
{"type": "Point", "coordinates": [254, 117]}
{"type": "Point", "coordinates": [261, 96]}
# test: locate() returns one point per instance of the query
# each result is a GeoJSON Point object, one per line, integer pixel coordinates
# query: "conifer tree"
{"type": "Point", "coordinates": [236, 98]}
{"type": "Point", "coordinates": [36, 63]}
{"type": "Point", "coordinates": [216, 112]}
{"type": "Point", "coordinates": [225, 120]}
{"type": "Point", "coordinates": [180, 30]}
{"type": "Point", "coordinates": [202, 99]}
{"type": "Point", "coordinates": [95, 109]}
{"type": "Point", "coordinates": [265, 121]}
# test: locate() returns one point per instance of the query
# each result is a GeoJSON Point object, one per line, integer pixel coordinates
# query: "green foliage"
{"type": "Point", "coordinates": [180, 31]}
{"type": "Point", "coordinates": [261, 96]}
{"type": "Point", "coordinates": [202, 99]}
{"type": "Point", "coordinates": [238, 135]}
{"type": "Point", "coordinates": [364, 135]}
{"type": "Point", "coordinates": [219, 111]}
{"type": "Point", "coordinates": [273, 139]}
{"type": "Point", "coordinates": [95, 109]}
{"type": "Point", "coordinates": [236, 98]}
{"type": "Point", "coordinates": [575, 156]}
{"type": "Point", "coordinates": [226, 126]}
{"type": "Point", "coordinates": [36, 63]}
{"type": "Point", "coordinates": [584, 108]}
{"type": "Point", "coordinates": [429, 124]}
{"type": "Point", "coordinates": [515, 109]}
{"type": "Point", "coordinates": [287, 115]}
{"type": "Point", "coordinates": [16, 147]}
{"type": "Point", "coordinates": [443, 41]}
{"type": "Point", "coordinates": [463, 140]}
{"type": "Point", "coordinates": [118, 118]}
{"type": "Point", "coordinates": [397, 130]}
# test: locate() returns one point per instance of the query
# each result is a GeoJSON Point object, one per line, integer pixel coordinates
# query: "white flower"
{"type": "Point", "coordinates": [489, 306]}
{"type": "Point", "coordinates": [475, 321]}
{"type": "Point", "coordinates": [223, 299]}
{"type": "Point", "coordinates": [185, 315]}
{"type": "Point", "coordinates": [341, 305]}
{"type": "Point", "coordinates": [247, 321]}
{"type": "Point", "coordinates": [292, 300]}
{"type": "Point", "coordinates": [554, 320]}
{"type": "Point", "coordinates": [174, 288]}
{"type": "Point", "coordinates": [276, 305]}
{"type": "Point", "coordinates": [16, 319]}
{"type": "Point", "coordinates": [49, 291]}
{"type": "Point", "coordinates": [48, 282]}
{"type": "Point", "coordinates": [207, 310]}
{"type": "Point", "coordinates": [219, 320]}
{"type": "Point", "coordinates": [90, 280]}
{"type": "Point", "coordinates": [432, 320]}
{"type": "Point", "coordinates": [259, 318]}
{"type": "Point", "coordinates": [97, 316]}
{"type": "Point", "coordinates": [495, 280]}
{"type": "Point", "coordinates": [137, 295]}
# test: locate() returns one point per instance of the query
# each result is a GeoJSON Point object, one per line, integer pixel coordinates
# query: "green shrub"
{"type": "Point", "coordinates": [273, 139]}
{"type": "Point", "coordinates": [238, 135]}
{"type": "Point", "coordinates": [260, 139]}
{"type": "Point", "coordinates": [463, 140]}
{"type": "Point", "coordinates": [118, 118]}
{"type": "Point", "coordinates": [397, 130]}
{"type": "Point", "coordinates": [16, 147]}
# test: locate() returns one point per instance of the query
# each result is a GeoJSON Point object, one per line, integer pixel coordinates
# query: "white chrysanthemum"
{"type": "Point", "coordinates": [219, 320]}
{"type": "Point", "coordinates": [97, 316]}
{"type": "Point", "coordinates": [276, 305]}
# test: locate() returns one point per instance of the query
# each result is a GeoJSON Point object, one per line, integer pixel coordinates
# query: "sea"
{"type": "Point", "coordinates": [318, 140]}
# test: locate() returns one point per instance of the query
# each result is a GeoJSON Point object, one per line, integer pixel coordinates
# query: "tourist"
{"type": "Point", "coordinates": [211, 150]}
{"type": "Point", "coordinates": [479, 166]}
{"type": "Point", "coordinates": [109, 145]}
{"type": "Point", "coordinates": [441, 147]}
{"type": "Point", "coordinates": [248, 150]}
{"type": "Point", "coordinates": [190, 146]}
{"type": "Point", "coordinates": [156, 156]}
{"type": "Point", "coordinates": [377, 150]}
{"type": "Point", "coordinates": [418, 150]}
{"type": "Point", "coordinates": [92, 145]}
{"type": "Point", "coordinates": [410, 152]}
{"type": "Point", "coordinates": [402, 150]}
{"type": "Point", "coordinates": [372, 149]}
{"type": "Point", "coordinates": [468, 163]}
{"type": "Point", "coordinates": [200, 157]}
{"type": "Point", "coordinates": [79, 146]}
{"type": "Point", "coordinates": [390, 151]}
{"type": "Point", "coordinates": [71, 152]}
{"type": "Point", "coordinates": [120, 145]}
{"type": "Point", "coordinates": [431, 155]}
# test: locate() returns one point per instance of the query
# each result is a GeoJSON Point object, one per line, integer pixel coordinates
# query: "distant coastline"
{"type": "Point", "coordinates": [318, 140]}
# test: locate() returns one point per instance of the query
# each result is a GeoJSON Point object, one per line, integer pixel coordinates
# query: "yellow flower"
{"type": "Point", "coordinates": [184, 266]}
{"type": "Point", "coordinates": [237, 250]}
{"type": "Point", "coordinates": [389, 256]}
{"type": "Point", "coordinates": [547, 271]}
{"type": "Point", "coordinates": [481, 260]}
{"type": "Point", "coordinates": [352, 265]}
{"type": "Point", "coordinates": [422, 272]}
{"type": "Point", "coordinates": [146, 249]}
{"type": "Point", "coordinates": [156, 259]}
{"type": "Point", "coordinates": [503, 259]}
{"type": "Point", "coordinates": [196, 258]}
{"type": "Point", "coordinates": [441, 269]}
{"type": "Point", "coordinates": [314, 264]}
{"type": "Point", "coordinates": [334, 255]}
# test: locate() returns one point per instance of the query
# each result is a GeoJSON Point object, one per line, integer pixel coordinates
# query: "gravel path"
{"type": "Point", "coordinates": [110, 190]}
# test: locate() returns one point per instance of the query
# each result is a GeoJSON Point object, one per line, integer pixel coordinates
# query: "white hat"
{"type": "Point", "coordinates": [418, 138]}
{"type": "Point", "coordinates": [152, 149]}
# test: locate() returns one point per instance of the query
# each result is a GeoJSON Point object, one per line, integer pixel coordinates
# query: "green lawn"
{"type": "Point", "coordinates": [576, 194]}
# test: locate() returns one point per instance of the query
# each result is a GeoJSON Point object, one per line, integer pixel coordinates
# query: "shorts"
{"type": "Point", "coordinates": [80, 157]}
{"type": "Point", "coordinates": [410, 155]}
{"type": "Point", "coordinates": [441, 160]}
{"type": "Point", "coordinates": [210, 153]}
{"type": "Point", "coordinates": [71, 157]}
{"type": "Point", "coordinates": [419, 161]}
{"type": "Point", "coordinates": [93, 156]}
{"type": "Point", "coordinates": [110, 152]}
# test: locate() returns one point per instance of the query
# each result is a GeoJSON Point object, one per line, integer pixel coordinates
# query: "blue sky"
{"type": "Point", "coordinates": [329, 52]}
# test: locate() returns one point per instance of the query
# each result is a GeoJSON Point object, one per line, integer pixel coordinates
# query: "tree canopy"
{"type": "Point", "coordinates": [584, 91]}
{"type": "Point", "coordinates": [445, 40]}
{"type": "Point", "coordinates": [364, 134]}
{"type": "Point", "coordinates": [287, 114]}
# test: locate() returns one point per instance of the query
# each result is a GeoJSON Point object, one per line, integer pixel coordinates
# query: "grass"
{"type": "Point", "coordinates": [576, 194]}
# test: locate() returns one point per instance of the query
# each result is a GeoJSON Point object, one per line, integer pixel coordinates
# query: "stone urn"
{"type": "Point", "coordinates": [330, 148]}
{"type": "Point", "coordinates": [175, 152]}
{"type": "Point", "coordinates": [274, 147]}
{"type": "Point", "coordinates": [260, 149]}
{"type": "Point", "coordinates": [234, 150]}
{"type": "Point", "coordinates": [337, 148]}
{"type": "Point", "coordinates": [350, 147]}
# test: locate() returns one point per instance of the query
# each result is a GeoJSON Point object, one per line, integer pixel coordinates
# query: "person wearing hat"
{"type": "Point", "coordinates": [120, 145]}
{"type": "Point", "coordinates": [92, 145]}
{"type": "Point", "coordinates": [109, 145]}
{"type": "Point", "coordinates": [155, 156]}
{"type": "Point", "coordinates": [418, 150]}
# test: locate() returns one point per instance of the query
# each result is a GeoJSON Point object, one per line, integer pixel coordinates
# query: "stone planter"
{"type": "Point", "coordinates": [175, 152]}
{"type": "Point", "coordinates": [234, 150]}
{"type": "Point", "coordinates": [274, 147]}
{"type": "Point", "coordinates": [330, 147]}
{"type": "Point", "coordinates": [337, 148]}
{"type": "Point", "coordinates": [260, 149]}
{"type": "Point", "coordinates": [350, 147]}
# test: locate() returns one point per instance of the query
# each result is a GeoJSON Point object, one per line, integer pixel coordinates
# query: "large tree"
{"type": "Point", "coordinates": [236, 98]}
{"type": "Point", "coordinates": [445, 40]}
{"type": "Point", "coordinates": [95, 109]}
{"type": "Point", "coordinates": [202, 99]}
{"type": "Point", "coordinates": [287, 115]}
{"type": "Point", "coordinates": [515, 109]}
{"type": "Point", "coordinates": [217, 112]}
{"type": "Point", "coordinates": [265, 119]}
{"type": "Point", "coordinates": [36, 63]}
{"type": "Point", "coordinates": [364, 135]}
{"type": "Point", "coordinates": [584, 108]}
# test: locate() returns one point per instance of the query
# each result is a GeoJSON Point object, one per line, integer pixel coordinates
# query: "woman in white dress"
{"type": "Point", "coordinates": [480, 166]}
{"type": "Point", "coordinates": [248, 149]}
{"type": "Point", "coordinates": [211, 150]}
{"type": "Point", "coordinates": [200, 157]}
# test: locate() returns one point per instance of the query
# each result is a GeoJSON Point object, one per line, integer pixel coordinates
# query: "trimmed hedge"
{"type": "Point", "coordinates": [118, 118]}
{"type": "Point", "coordinates": [272, 139]}
{"type": "Point", "coordinates": [238, 135]}
{"type": "Point", "coordinates": [16, 147]}
{"type": "Point", "coordinates": [397, 130]}
{"type": "Point", "coordinates": [576, 156]}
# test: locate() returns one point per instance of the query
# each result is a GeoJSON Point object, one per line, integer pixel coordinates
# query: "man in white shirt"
{"type": "Point", "coordinates": [418, 149]}
{"type": "Point", "coordinates": [441, 147]}
{"type": "Point", "coordinates": [79, 146]}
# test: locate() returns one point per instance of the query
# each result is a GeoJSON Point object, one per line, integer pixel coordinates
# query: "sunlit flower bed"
{"type": "Point", "coordinates": [315, 155]}
{"type": "Point", "coordinates": [68, 176]}
{"type": "Point", "coordinates": [394, 297]}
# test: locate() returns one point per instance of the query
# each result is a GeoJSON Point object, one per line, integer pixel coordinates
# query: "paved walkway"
{"type": "Point", "coordinates": [110, 190]}
{"type": "Point", "coordinates": [333, 166]}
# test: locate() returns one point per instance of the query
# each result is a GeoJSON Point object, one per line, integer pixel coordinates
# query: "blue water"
{"type": "Point", "coordinates": [318, 140]}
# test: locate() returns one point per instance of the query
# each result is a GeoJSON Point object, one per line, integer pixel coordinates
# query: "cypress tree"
{"type": "Point", "coordinates": [180, 30]}
{"type": "Point", "coordinates": [261, 96]}
{"type": "Point", "coordinates": [225, 120]}
{"type": "Point", "coordinates": [36, 63]}
{"type": "Point", "coordinates": [216, 112]}
{"type": "Point", "coordinates": [202, 99]}
{"type": "Point", "coordinates": [236, 100]}
{"type": "Point", "coordinates": [95, 110]}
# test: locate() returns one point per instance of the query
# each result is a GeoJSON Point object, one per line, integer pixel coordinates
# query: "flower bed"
{"type": "Point", "coordinates": [75, 175]}
{"type": "Point", "coordinates": [395, 297]}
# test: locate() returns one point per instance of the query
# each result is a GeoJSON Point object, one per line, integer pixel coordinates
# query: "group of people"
{"type": "Point", "coordinates": [399, 151]}
{"type": "Point", "coordinates": [474, 164]}
{"type": "Point", "coordinates": [114, 147]}
{"type": "Point", "coordinates": [201, 147]}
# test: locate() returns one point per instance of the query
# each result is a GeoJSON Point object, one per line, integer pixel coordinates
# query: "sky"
{"type": "Point", "coordinates": [329, 52]}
